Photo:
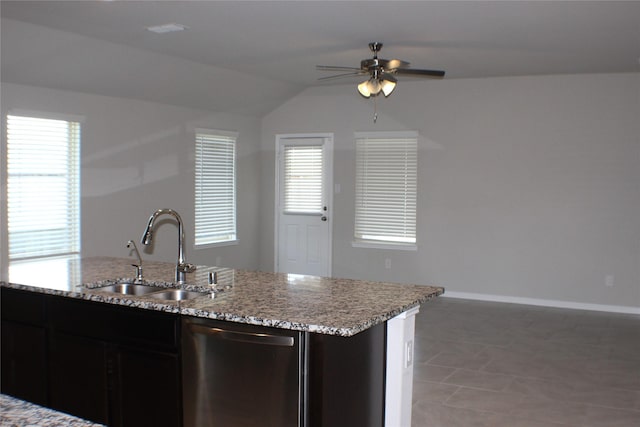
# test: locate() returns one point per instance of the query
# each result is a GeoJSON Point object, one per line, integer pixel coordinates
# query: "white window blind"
{"type": "Point", "coordinates": [386, 175]}
{"type": "Point", "coordinates": [303, 192]}
{"type": "Point", "coordinates": [215, 187]}
{"type": "Point", "coordinates": [43, 187]}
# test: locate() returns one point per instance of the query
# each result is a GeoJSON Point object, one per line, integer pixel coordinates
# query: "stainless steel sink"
{"type": "Point", "coordinates": [161, 293]}
{"type": "Point", "coordinates": [176, 295]}
{"type": "Point", "coordinates": [129, 289]}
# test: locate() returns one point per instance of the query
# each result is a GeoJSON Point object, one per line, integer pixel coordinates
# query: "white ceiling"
{"type": "Point", "coordinates": [250, 56]}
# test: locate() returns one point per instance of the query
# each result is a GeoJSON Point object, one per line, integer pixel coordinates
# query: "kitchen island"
{"type": "Point", "coordinates": [328, 312]}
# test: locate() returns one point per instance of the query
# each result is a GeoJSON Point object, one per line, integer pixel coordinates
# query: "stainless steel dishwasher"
{"type": "Point", "coordinates": [237, 375]}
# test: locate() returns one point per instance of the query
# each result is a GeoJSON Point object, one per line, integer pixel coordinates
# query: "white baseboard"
{"type": "Point", "coordinates": [544, 302]}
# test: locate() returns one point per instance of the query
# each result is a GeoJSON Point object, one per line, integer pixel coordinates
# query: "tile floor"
{"type": "Point", "coordinates": [484, 364]}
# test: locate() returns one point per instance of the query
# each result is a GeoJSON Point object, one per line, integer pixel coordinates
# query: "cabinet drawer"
{"type": "Point", "coordinates": [123, 325]}
{"type": "Point", "coordinates": [22, 306]}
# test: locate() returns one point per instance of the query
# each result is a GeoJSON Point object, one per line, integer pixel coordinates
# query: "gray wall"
{"type": "Point", "coordinates": [137, 157]}
{"type": "Point", "coordinates": [529, 187]}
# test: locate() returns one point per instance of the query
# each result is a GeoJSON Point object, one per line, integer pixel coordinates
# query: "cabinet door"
{"type": "Point", "coordinates": [24, 366]}
{"type": "Point", "coordinates": [79, 371]}
{"type": "Point", "coordinates": [347, 378]}
{"type": "Point", "coordinates": [148, 389]}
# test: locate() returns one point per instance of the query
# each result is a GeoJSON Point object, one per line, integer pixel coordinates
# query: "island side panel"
{"type": "Point", "coordinates": [399, 386]}
{"type": "Point", "coordinates": [347, 379]}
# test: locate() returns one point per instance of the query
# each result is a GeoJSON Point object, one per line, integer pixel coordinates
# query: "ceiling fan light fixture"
{"type": "Point", "coordinates": [371, 87]}
{"type": "Point", "coordinates": [378, 82]}
{"type": "Point", "coordinates": [363, 89]}
{"type": "Point", "coordinates": [374, 86]}
{"type": "Point", "coordinates": [387, 87]}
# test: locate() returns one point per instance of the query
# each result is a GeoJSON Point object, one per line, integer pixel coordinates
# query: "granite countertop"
{"type": "Point", "coordinates": [18, 413]}
{"type": "Point", "coordinates": [290, 301]}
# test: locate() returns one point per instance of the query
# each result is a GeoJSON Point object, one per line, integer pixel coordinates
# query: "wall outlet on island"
{"type": "Point", "coordinates": [387, 263]}
{"type": "Point", "coordinates": [609, 280]}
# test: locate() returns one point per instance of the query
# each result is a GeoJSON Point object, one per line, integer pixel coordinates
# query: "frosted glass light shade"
{"type": "Point", "coordinates": [387, 87]}
{"type": "Point", "coordinates": [373, 87]}
{"type": "Point", "coordinates": [363, 88]}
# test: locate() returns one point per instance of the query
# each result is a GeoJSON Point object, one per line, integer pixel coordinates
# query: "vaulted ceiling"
{"type": "Point", "coordinates": [248, 57]}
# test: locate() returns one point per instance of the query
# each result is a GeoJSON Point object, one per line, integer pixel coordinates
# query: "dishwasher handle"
{"type": "Point", "coordinates": [246, 337]}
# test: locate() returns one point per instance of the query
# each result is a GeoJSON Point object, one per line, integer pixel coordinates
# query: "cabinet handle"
{"type": "Point", "coordinates": [247, 337]}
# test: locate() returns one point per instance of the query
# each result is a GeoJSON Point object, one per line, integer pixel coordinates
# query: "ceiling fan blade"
{"type": "Point", "coordinates": [335, 68]}
{"type": "Point", "coordinates": [415, 72]}
{"type": "Point", "coordinates": [392, 64]}
{"type": "Point", "coordinates": [389, 77]}
{"type": "Point", "coordinates": [338, 76]}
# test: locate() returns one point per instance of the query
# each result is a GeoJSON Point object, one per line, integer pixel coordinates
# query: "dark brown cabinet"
{"type": "Point", "coordinates": [79, 379]}
{"type": "Point", "coordinates": [148, 388]}
{"type": "Point", "coordinates": [24, 346]}
{"type": "Point", "coordinates": [24, 362]}
{"type": "Point", "coordinates": [114, 365]}
{"type": "Point", "coordinates": [346, 379]}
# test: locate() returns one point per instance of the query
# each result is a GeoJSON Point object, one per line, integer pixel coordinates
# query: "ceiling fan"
{"type": "Point", "coordinates": [381, 73]}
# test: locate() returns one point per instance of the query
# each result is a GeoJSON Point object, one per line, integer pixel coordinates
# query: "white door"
{"type": "Point", "coordinates": [303, 210]}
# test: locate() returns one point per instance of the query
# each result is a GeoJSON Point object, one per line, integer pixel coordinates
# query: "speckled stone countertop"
{"type": "Point", "coordinates": [18, 413]}
{"type": "Point", "coordinates": [290, 301]}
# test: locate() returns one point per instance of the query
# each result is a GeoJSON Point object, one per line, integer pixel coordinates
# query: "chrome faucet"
{"type": "Point", "coordinates": [182, 266]}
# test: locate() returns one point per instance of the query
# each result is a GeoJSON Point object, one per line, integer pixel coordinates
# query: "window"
{"type": "Point", "coordinates": [43, 187]}
{"type": "Point", "coordinates": [386, 175]}
{"type": "Point", "coordinates": [215, 192]}
{"type": "Point", "coordinates": [303, 168]}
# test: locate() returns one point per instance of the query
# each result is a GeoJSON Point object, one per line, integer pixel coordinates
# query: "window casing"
{"type": "Point", "coordinates": [215, 188]}
{"type": "Point", "coordinates": [43, 187]}
{"type": "Point", "coordinates": [386, 189]}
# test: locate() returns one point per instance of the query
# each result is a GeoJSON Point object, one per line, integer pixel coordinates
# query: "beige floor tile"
{"type": "Point", "coordinates": [540, 389]}
{"type": "Point", "coordinates": [600, 417]}
{"type": "Point", "coordinates": [511, 421]}
{"type": "Point", "coordinates": [551, 411]}
{"type": "Point", "coordinates": [480, 380]}
{"type": "Point", "coordinates": [460, 360]}
{"type": "Point", "coordinates": [484, 400]}
{"type": "Point", "coordinates": [519, 365]}
{"type": "Point", "coordinates": [524, 366]}
{"type": "Point", "coordinates": [428, 414]}
{"type": "Point", "coordinates": [427, 372]}
{"type": "Point", "coordinates": [432, 391]}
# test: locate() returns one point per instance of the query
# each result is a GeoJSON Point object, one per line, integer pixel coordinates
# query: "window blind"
{"type": "Point", "coordinates": [303, 168]}
{"type": "Point", "coordinates": [215, 187]}
{"type": "Point", "coordinates": [43, 187]}
{"type": "Point", "coordinates": [386, 175]}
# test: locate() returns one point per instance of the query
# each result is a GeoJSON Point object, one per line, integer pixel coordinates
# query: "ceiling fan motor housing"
{"type": "Point", "coordinates": [375, 47]}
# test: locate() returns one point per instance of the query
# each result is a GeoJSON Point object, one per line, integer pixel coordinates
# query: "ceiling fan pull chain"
{"type": "Point", "coordinates": [375, 109]}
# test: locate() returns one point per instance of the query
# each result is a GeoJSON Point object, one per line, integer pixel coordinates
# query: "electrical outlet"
{"type": "Point", "coordinates": [387, 263]}
{"type": "Point", "coordinates": [609, 280]}
{"type": "Point", "coordinates": [408, 358]}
